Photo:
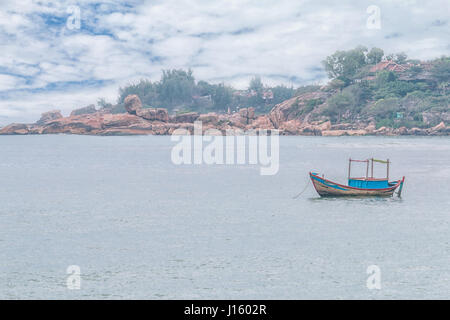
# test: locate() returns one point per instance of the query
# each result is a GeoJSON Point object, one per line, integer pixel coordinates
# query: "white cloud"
{"type": "Point", "coordinates": [8, 82]}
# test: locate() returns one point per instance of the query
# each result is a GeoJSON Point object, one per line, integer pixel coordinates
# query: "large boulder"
{"type": "Point", "coordinates": [323, 126]}
{"type": "Point", "coordinates": [188, 117]}
{"type": "Point", "coordinates": [262, 122]}
{"type": "Point", "coordinates": [417, 132]}
{"type": "Point", "coordinates": [85, 110]}
{"type": "Point", "coordinates": [401, 131]}
{"type": "Point", "coordinates": [153, 114]}
{"type": "Point", "coordinates": [211, 118]}
{"type": "Point", "coordinates": [237, 120]}
{"type": "Point", "coordinates": [371, 127]}
{"type": "Point", "coordinates": [296, 107]}
{"type": "Point", "coordinates": [49, 116]}
{"type": "Point", "coordinates": [132, 103]}
{"type": "Point", "coordinates": [82, 124]}
{"type": "Point", "coordinates": [120, 120]}
{"type": "Point", "coordinates": [290, 127]}
{"type": "Point", "coordinates": [247, 114]}
{"type": "Point", "coordinates": [383, 131]}
{"type": "Point", "coordinates": [162, 115]}
{"type": "Point", "coordinates": [439, 127]}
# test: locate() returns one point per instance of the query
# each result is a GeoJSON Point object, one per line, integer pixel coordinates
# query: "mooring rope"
{"type": "Point", "coordinates": [306, 187]}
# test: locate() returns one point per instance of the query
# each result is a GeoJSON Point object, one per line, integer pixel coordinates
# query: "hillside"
{"type": "Point", "coordinates": [368, 93]}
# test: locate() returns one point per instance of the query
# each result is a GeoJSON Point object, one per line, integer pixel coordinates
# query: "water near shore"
{"type": "Point", "coordinates": [139, 226]}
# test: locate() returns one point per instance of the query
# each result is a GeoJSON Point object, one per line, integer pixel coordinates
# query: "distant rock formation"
{"type": "Point", "coordinates": [152, 114]}
{"type": "Point", "coordinates": [185, 117]}
{"type": "Point", "coordinates": [132, 103]}
{"type": "Point", "coordinates": [291, 117]}
{"type": "Point", "coordinates": [295, 108]}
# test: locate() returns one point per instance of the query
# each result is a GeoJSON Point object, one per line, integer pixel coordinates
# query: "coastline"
{"type": "Point", "coordinates": [151, 121]}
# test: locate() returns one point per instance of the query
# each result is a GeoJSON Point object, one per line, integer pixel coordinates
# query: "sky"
{"type": "Point", "coordinates": [66, 54]}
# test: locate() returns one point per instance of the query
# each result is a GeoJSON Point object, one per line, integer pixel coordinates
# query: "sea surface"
{"type": "Point", "coordinates": [140, 227]}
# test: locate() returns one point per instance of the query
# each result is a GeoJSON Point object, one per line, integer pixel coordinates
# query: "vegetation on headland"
{"type": "Point", "coordinates": [393, 90]}
{"type": "Point", "coordinates": [179, 92]}
{"type": "Point", "coordinates": [390, 90]}
{"type": "Point", "coordinates": [369, 93]}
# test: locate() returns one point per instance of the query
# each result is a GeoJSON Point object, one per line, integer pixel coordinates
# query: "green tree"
{"type": "Point", "coordinates": [441, 70]}
{"type": "Point", "coordinates": [384, 108]}
{"type": "Point", "coordinates": [256, 85]}
{"type": "Point", "coordinates": [383, 77]}
{"type": "Point", "coordinates": [101, 102]}
{"type": "Point", "coordinates": [176, 87]}
{"type": "Point", "coordinates": [145, 89]}
{"type": "Point", "coordinates": [204, 88]}
{"type": "Point", "coordinates": [222, 97]}
{"type": "Point", "coordinates": [375, 55]}
{"type": "Point", "coordinates": [401, 58]}
{"type": "Point", "coordinates": [338, 105]}
{"type": "Point", "coordinates": [345, 64]}
{"type": "Point", "coordinates": [281, 93]}
{"type": "Point", "coordinates": [337, 84]}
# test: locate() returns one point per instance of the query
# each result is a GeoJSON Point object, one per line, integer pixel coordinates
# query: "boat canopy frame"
{"type": "Point", "coordinates": [368, 161]}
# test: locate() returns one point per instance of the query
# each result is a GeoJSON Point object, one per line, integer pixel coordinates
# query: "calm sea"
{"type": "Point", "coordinates": [138, 226]}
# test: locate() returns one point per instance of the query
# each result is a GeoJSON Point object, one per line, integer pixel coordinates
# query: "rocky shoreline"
{"type": "Point", "coordinates": [157, 121]}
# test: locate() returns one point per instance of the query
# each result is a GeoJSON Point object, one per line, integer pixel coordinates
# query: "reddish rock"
{"type": "Point", "coordinates": [324, 126]}
{"type": "Point", "coordinates": [439, 127]}
{"type": "Point", "coordinates": [84, 124]}
{"type": "Point", "coordinates": [15, 128]}
{"type": "Point", "coordinates": [247, 115]}
{"type": "Point", "coordinates": [401, 131]}
{"type": "Point", "coordinates": [236, 120]}
{"type": "Point", "coordinates": [291, 127]}
{"type": "Point", "coordinates": [310, 130]}
{"type": "Point", "coordinates": [162, 115]}
{"type": "Point", "coordinates": [295, 108]}
{"type": "Point", "coordinates": [186, 126]}
{"type": "Point", "coordinates": [417, 132]}
{"type": "Point", "coordinates": [159, 114]}
{"type": "Point", "coordinates": [341, 126]}
{"type": "Point", "coordinates": [351, 132]}
{"type": "Point", "coordinates": [383, 131]}
{"type": "Point", "coordinates": [371, 127]}
{"type": "Point", "coordinates": [121, 120]}
{"type": "Point", "coordinates": [211, 118]}
{"type": "Point", "coordinates": [262, 122]}
{"type": "Point", "coordinates": [132, 103]}
{"type": "Point", "coordinates": [188, 117]}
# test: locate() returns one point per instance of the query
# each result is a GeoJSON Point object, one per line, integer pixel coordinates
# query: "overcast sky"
{"type": "Point", "coordinates": [47, 62]}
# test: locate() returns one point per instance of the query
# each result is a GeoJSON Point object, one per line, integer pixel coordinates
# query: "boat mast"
{"type": "Point", "coordinates": [372, 168]}
{"type": "Point", "coordinates": [349, 166]}
{"type": "Point", "coordinates": [387, 169]}
{"type": "Point", "coordinates": [367, 169]}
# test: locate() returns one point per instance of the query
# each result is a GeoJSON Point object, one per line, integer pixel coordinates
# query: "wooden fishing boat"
{"type": "Point", "coordinates": [359, 186]}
